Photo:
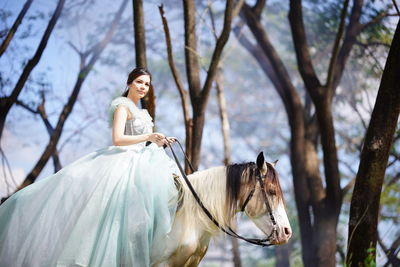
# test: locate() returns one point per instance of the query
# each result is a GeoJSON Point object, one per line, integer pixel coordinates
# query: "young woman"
{"type": "Point", "coordinates": [113, 207]}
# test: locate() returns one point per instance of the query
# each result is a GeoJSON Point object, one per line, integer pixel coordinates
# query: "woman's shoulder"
{"type": "Point", "coordinates": [121, 101]}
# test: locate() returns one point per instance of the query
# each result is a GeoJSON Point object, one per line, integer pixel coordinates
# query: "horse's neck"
{"type": "Point", "coordinates": [210, 185]}
{"type": "Point", "coordinates": [192, 228]}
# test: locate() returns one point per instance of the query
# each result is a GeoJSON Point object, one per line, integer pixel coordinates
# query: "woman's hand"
{"type": "Point", "coordinates": [171, 140]}
{"type": "Point", "coordinates": [160, 139]}
{"type": "Point", "coordinates": [156, 137]}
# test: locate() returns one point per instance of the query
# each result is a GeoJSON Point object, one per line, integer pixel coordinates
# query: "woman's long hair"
{"type": "Point", "coordinates": [136, 72]}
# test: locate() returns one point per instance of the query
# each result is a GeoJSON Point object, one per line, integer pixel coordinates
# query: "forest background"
{"type": "Point", "coordinates": [263, 86]}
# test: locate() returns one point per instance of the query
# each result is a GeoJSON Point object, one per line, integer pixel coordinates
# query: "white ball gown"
{"type": "Point", "coordinates": [112, 207]}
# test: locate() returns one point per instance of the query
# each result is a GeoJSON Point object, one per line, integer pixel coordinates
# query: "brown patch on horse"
{"type": "Point", "coordinates": [271, 183]}
{"type": "Point", "coordinates": [245, 173]}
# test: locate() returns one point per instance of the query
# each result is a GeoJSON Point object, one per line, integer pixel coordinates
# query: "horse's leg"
{"type": "Point", "coordinates": [195, 259]}
{"type": "Point", "coordinates": [190, 255]}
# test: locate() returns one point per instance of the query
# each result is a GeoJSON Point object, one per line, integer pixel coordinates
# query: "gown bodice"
{"type": "Point", "coordinates": [141, 122]}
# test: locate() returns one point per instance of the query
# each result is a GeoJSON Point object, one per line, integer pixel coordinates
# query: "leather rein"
{"type": "Point", "coordinates": [228, 230]}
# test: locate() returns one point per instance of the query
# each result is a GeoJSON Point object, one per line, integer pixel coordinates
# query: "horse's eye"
{"type": "Point", "coordinates": [272, 192]}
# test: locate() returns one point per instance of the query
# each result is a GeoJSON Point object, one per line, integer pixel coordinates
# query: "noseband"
{"type": "Point", "coordinates": [259, 178]}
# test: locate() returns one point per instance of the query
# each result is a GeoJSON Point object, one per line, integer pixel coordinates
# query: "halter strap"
{"type": "Point", "coordinates": [248, 199]}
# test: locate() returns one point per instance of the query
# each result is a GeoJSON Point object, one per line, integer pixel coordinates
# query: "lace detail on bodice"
{"type": "Point", "coordinates": [141, 121]}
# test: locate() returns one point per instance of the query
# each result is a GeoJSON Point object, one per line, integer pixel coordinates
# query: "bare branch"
{"type": "Point", "coordinates": [390, 252]}
{"type": "Point", "coordinates": [395, 5]}
{"type": "Point", "coordinates": [179, 84]}
{"type": "Point", "coordinates": [394, 179]}
{"type": "Point", "coordinates": [5, 164]}
{"type": "Point", "coordinates": [222, 40]}
{"type": "Point", "coordinates": [348, 187]}
{"type": "Point", "coordinates": [178, 81]}
{"type": "Point", "coordinates": [304, 62]}
{"type": "Point", "coordinates": [26, 106]}
{"type": "Point", "coordinates": [237, 8]}
{"type": "Point", "coordinates": [374, 20]}
{"type": "Point", "coordinates": [335, 50]}
{"type": "Point", "coordinates": [258, 7]}
{"type": "Point", "coordinates": [14, 27]}
{"type": "Point", "coordinates": [74, 48]}
{"type": "Point", "coordinates": [350, 37]}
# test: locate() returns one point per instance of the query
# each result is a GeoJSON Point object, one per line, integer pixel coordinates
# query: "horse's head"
{"type": "Point", "coordinates": [255, 190]}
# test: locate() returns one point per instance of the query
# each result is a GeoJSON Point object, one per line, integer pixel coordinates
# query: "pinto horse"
{"type": "Point", "coordinates": [225, 191]}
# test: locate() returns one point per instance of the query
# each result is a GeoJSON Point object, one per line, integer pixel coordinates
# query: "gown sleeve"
{"type": "Point", "coordinates": [116, 103]}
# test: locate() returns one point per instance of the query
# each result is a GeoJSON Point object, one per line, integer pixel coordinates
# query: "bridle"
{"type": "Point", "coordinates": [259, 178]}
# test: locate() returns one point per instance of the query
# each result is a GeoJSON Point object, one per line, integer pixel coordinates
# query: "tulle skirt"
{"type": "Point", "coordinates": [113, 207]}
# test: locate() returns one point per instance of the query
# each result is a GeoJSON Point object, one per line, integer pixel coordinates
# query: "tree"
{"type": "Point", "coordinates": [363, 220]}
{"type": "Point", "coordinates": [7, 102]}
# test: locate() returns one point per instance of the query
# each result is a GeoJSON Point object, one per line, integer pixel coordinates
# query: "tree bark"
{"type": "Point", "coordinates": [148, 102]}
{"type": "Point", "coordinates": [374, 157]}
{"type": "Point", "coordinates": [14, 27]}
{"type": "Point", "coordinates": [7, 102]}
{"type": "Point", "coordinates": [67, 109]}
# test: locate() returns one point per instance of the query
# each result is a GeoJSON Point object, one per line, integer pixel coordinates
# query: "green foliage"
{"type": "Point", "coordinates": [369, 261]}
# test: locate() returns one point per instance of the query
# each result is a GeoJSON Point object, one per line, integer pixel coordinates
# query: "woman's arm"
{"type": "Point", "coordinates": [121, 114]}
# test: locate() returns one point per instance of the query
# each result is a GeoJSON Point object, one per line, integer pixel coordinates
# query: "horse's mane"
{"type": "Point", "coordinates": [210, 185]}
{"type": "Point", "coordinates": [219, 190]}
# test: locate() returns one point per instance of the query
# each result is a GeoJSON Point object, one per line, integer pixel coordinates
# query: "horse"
{"type": "Point", "coordinates": [225, 191]}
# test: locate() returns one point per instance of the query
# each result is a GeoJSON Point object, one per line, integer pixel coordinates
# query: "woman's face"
{"type": "Point", "coordinates": [140, 86]}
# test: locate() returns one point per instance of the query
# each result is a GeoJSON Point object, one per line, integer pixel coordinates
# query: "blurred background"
{"type": "Point", "coordinates": [65, 62]}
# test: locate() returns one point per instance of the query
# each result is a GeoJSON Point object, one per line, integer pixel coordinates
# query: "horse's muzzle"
{"type": "Point", "coordinates": [283, 236]}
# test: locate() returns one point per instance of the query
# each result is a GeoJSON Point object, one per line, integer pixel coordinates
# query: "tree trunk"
{"type": "Point", "coordinates": [225, 129]}
{"type": "Point", "coordinates": [282, 255]}
{"type": "Point", "coordinates": [192, 69]}
{"type": "Point", "coordinates": [7, 102]}
{"type": "Point", "coordinates": [374, 157]}
{"type": "Point", "coordinates": [148, 102]}
{"type": "Point", "coordinates": [83, 73]}
{"type": "Point", "coordinates": [224, 117]}
{"type": "Point", "coordinates": [14, 27]}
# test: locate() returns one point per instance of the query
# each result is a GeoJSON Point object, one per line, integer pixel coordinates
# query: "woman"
{"type": "Point", "coordinates": [113, 207]}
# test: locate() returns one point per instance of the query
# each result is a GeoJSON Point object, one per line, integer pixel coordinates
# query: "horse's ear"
{"type": "Point", "coordinates": [274, 163]}
{"type": "Point", "coordinates": [261, 163]}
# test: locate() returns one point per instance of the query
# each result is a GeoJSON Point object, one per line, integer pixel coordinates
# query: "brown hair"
{"type": "Point", "coordinates": [136, 72]}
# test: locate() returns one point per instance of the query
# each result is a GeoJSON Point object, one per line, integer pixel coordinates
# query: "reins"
{"type": "Point", "coordinates": [229, 231]}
